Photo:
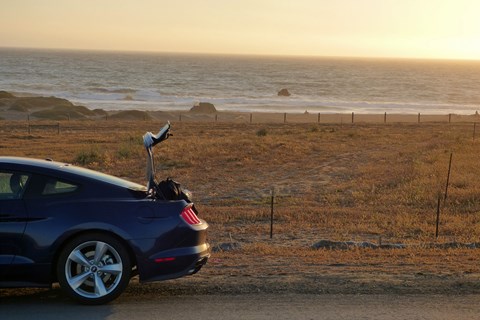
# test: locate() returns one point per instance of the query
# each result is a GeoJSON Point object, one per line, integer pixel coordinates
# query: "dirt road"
{"type": "Point", "coordinates": [52, 305]}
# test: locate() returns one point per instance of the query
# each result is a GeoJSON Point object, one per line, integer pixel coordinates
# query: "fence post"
{"type": "Point", "coordinates": [385, 118]}
{"type": "Point", "coordinates": [438, 216]}
{"type": "Point", "coordinates": [318, 120]}
{"type": "Point", "coordinates": [271, 212]}
{"type": "Point", "coordinates": [419, 117]}
{"type": "Point", "coordinates": [448, 178]}
{"type": "Point", "coordinates": [251, 116]}
{"type": "Point", "coordinates": [353, 116]}
{"type": "Point", "coordinates": [474, 130]}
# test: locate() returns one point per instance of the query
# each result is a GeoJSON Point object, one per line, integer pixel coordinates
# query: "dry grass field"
{"type": "Point", "coordinates": [342, 182]}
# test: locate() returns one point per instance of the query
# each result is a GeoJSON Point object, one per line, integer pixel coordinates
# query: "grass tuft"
{"type": "Point", "coordinates": [89, 156]}
{"type": "Point", "coordinates": [262, 132]}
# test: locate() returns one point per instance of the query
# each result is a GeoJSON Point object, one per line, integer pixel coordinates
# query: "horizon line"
{"type": "Point", "coordinates": [271, 55]}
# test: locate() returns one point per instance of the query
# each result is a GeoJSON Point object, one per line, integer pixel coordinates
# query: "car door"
{"type": "Point", "coordinates": [13, 216]}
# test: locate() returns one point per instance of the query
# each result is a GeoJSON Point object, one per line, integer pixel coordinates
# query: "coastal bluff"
{"type": "Point", "coordinates": [18, 107]}
{"type": "Point", "coordinates": [49, 108]}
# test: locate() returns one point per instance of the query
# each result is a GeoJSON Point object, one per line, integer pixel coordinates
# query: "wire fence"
{"type": "Point", "coordinates": [34, 125]}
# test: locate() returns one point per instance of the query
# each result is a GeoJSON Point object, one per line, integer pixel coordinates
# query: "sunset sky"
{"type": "Point", "coordinates": [363, 28]}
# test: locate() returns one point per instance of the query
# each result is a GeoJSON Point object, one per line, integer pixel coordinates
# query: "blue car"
{"type": "Point", "coordinates": [92, 232]}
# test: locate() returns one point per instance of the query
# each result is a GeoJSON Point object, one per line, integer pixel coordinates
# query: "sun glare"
{"type": "Point", "coordinates": [391, 28]}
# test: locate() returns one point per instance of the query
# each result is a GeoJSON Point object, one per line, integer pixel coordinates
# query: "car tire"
{"type": "Point", "coordinates": [94, 268]}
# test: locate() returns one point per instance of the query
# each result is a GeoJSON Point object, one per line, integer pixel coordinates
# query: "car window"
{"type": "Point", "coordinates": [12, 185]}
{"type": "Point", "coordinates": [54, 186]}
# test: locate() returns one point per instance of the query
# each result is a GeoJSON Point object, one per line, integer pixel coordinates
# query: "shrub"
{"type": "Point", "coordinates": [262, 132]}
{"type": "Point", "coordinates": [86, 157]}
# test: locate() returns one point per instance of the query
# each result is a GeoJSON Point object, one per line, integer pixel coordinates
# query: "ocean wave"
{"type": "Point", "coordinates": [105, 90]}
{"type": "Point", "coordinates": [170, 82]}
{"type": "Point", "coordinates": [289, 105]}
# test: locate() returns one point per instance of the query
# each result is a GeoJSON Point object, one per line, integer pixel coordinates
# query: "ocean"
{"type": "Point", "coordinates": [164, 81]}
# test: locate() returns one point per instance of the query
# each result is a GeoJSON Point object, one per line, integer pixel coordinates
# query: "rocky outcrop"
{"type": "Point", "coordinates": [345, 245]}
{"type": "Point", "coordinates": [284, 93]}
{"type": "Point", "coordinates": [32, 103]}
{"type": "Point", "coordinates": [47, 108]}
{"type": "Point", "coordinates": [64, 112]}
{"type": "Point", "coordinates": [6, 95]}
{"type": "Point", "coordinates": [203, 107]}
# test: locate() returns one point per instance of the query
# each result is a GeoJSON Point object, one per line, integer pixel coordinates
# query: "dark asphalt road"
{"type": "Point", "coordinates": [51, 305]}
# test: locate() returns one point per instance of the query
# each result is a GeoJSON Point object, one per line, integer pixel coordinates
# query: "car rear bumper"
{"type": "Point", "coordinates": [174, 263]}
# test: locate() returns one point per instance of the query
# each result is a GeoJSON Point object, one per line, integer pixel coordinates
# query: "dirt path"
{"type": "Point", "coordinates": [253, 306]}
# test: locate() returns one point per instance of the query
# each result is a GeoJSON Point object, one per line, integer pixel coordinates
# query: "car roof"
{"type": "Point", "coordinates": [47, 163]}
{"type": "Point", "coordinates": [60, 167]}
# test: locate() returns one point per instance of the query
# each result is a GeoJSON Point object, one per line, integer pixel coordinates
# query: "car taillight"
{"type": "Point", "coordinates": [189, 216]}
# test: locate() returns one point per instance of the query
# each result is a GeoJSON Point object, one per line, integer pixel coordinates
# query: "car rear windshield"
{"type": "Point", "coordinates": [104, 177]}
